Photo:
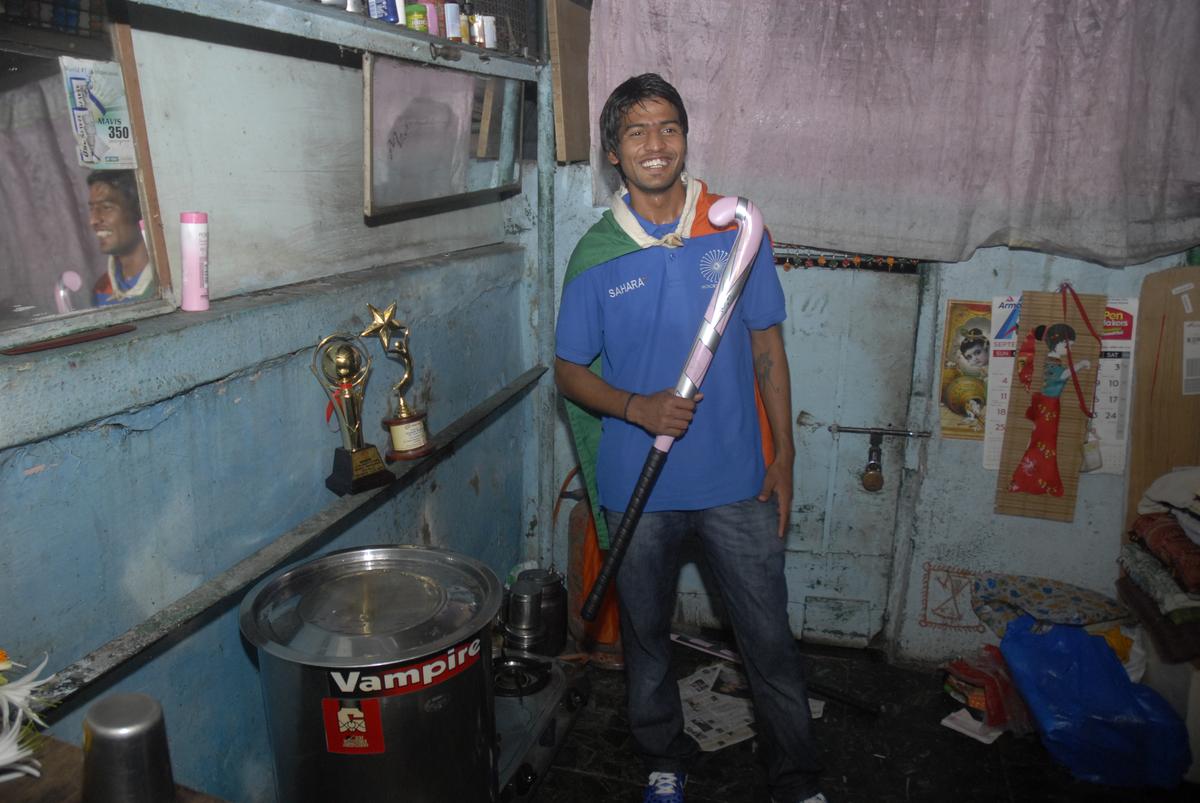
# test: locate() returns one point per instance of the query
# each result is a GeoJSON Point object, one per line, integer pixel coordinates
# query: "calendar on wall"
{"type": "Point", "coordinates": [1113, 382]}
{"type": "Point", "coordinates": [1006, 311]}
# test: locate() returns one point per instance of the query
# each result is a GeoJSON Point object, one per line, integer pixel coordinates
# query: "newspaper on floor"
{"type": "Point", "coordinates": [962, 721]}
{"type": "Point", "coordinates": [716, 706]}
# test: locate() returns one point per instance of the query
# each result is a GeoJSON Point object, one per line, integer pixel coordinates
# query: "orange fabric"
{"type": "Point", "coordinates": [701, 225]}
{"type": "Point", "coordinates": [768, 445]}
{"type": "Point", "coordinates": [606, 629]}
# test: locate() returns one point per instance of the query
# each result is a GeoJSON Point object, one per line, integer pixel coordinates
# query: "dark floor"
{"type": "Point", "coordinates": [904, 754]}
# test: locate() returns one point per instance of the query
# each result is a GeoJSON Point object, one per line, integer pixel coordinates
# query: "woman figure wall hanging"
{"type": "Point", "coordinates": [1047, 422]}
{"type": "Point", "coordinates": [1037, 473]}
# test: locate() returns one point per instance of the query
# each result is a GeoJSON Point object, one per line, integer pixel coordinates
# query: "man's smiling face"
{"type": "Point", "coordinates": [112, 222]}
{"type": "Point", "coordinates": [652, 147]}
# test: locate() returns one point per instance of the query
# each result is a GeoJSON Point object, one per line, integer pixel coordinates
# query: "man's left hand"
{"type": "Point", "coordinates": [779, 482]}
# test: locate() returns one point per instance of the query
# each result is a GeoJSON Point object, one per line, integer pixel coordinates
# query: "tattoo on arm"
{"type": "Point", "coordinates": [762, 367]}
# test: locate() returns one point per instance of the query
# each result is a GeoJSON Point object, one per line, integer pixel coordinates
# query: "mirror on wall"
{"type": "Point", "coordinates": [436, 135]}
{"type": "Point", "coordinates": [74, 215]}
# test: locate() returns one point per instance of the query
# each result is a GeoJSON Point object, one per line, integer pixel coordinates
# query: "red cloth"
{"type": "Point", "coordinates": [1037, 473]}
{"type": "Point", "coordinates": [1003, 706]}
{"type": "Point", "coordinates": [1166, 540]}
{"type": "Point", "coordinates": [1025, 356]}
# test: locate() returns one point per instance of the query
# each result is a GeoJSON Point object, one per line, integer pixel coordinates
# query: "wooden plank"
{"type": "Point", "coordinates": [1164, 423]}
{"type": "Point", "coordinates": [491, 117]}
{"type": "Point", "coordinates": [123, 43]}
{"type": "Point", "coordinates": [62, 779]}
{"type": "Point", "coordinates": [568, 25]}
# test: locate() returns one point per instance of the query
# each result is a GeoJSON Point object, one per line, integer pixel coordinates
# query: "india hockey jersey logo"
{"type": "Point", "coordinates": [712, 264]}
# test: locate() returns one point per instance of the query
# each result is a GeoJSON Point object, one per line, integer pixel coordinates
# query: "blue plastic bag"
{"type": "Point", "coordinates": [1092, 718]}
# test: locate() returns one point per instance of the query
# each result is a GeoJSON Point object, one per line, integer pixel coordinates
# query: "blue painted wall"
{"type": "Point", "coordinates": [108, 519]}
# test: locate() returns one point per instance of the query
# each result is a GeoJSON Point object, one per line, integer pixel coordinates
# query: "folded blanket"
{"type": "Point", "coordinates": [1177, 488]}
{"type": "Point", "coordinates": [1173, 642]}
{"type": "Point", "coordinates": [1153, 578]}
{"type": "Point", "coordinates": [1163, 538]}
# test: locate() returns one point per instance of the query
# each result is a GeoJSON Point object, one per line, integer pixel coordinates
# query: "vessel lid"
{"type": "Point", "coordinates": [543, 577]}
{"type": "Point", "coordinates": [371, 606]}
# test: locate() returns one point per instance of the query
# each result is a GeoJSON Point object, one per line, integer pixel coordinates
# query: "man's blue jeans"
{"type": "Point", "coordinates": [746, 557]}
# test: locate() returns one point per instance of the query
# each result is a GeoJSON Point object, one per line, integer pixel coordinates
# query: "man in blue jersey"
{"type": "Point", "coordinates": [635, 293]}
{"type": "Point", "coordinates": [115, 216]}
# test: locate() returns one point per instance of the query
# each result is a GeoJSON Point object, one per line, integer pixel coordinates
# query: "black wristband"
{"type": "Point", "coordinates": [625, 412]}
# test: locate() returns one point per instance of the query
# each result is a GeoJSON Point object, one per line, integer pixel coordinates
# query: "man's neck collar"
{"type": "Point", "coordinates": [133, 263]}
{"type": "Point", "coordinates": [660, 207]}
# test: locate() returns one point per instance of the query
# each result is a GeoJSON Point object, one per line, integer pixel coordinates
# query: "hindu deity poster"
{"type": "Point", "coordinates": [965, 351]}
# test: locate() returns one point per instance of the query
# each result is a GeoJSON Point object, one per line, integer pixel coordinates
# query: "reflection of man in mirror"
{"type": "Point", "coordinates": [115, 215]}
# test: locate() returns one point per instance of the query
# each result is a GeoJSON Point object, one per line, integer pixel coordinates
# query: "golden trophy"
{"type": "Point", "coordinates": [341, 364]}
{"type": "Point", "coordinates": [406, 426]}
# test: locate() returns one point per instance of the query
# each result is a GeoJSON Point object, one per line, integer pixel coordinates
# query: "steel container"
{"type": "Point", "coordinates": [376, 672]}
{"type": "Point", "coordinates": [125, 754]}
{"type": "Point", "coordinates": [554, 607]}
{"type": "Point", "coordinates": [524, 630]}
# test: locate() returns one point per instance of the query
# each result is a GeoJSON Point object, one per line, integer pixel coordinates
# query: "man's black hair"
{"type": "Point", "coordinates": [124, 182]}
{"type": "Point", "coordinates": [639, 89]}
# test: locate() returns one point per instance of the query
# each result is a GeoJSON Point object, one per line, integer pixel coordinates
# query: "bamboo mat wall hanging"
{"type": "Point", "coordinates": [1050, 404]}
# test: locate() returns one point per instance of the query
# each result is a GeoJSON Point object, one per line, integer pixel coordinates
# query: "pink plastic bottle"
{"type": "Point", "coordinates": [193, 241]}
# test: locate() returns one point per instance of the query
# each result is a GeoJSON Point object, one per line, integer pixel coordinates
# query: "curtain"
{"type": "Point", "coordinates": [43, 202]}
{"type": "Point", "coordinates": [929, 128]}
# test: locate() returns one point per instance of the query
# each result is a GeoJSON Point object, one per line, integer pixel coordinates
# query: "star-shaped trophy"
{"type": "Point", "coordinates": [410, 439]}
{"type": "Point", "coordinates": [341, 364]}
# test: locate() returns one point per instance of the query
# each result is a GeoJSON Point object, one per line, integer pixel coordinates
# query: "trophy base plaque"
{"type": "Point", "coordinates": [357, 470]}
{"type": "Point", "coordinates": [409, 437]}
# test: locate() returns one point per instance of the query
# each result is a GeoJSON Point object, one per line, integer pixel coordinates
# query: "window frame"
{"type": "Point", "coordinates": [120, 50]}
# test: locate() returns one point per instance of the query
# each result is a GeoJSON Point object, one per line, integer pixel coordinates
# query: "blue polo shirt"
{"type": "Point", "coordinates": [640, 313]}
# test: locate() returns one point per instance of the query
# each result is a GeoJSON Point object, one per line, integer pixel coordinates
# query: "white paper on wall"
{"type": "Point", "coordinates": [1191, 358]}
{"type": "Point", "coordinates": [100, 117]}
{"type": "Point", "coordinates": [1113, 383]}
{"type": "Point", "coordinates": [1006, 311]}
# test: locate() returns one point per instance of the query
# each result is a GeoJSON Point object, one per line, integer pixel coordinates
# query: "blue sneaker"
{"type": "Point", "coordinates": [665, 787]}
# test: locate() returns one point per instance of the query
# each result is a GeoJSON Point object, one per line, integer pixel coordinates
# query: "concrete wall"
{"type": "Point", "coordinates": [134, 468]}
{"type": "Point", "coordinates": [271, 146]}
{"type": "Point", "coordinates": [573, 215]}
{"type": "Point", "coordinates": [946, 526]}
{"type": "Point", "coordinates": [116, 516]}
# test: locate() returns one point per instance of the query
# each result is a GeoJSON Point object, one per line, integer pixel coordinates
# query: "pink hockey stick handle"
{"type": "Point", "coordinates": [745, 249]}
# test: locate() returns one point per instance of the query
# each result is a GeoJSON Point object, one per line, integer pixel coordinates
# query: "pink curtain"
{"type": "Point", "coordinates": [929, 128]}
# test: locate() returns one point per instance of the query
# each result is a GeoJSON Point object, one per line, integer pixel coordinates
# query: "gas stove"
{"type": "Point", "coordinates": [537, 702]}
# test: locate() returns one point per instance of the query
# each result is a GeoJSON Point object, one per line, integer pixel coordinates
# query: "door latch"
{"type": "Point", "coordinates": [872, 474]}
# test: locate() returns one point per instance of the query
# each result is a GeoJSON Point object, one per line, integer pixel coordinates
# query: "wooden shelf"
{"type": "Point", "coordinates": [332, 25]}
{"type": "Point", "coordinates": [62, 779]}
